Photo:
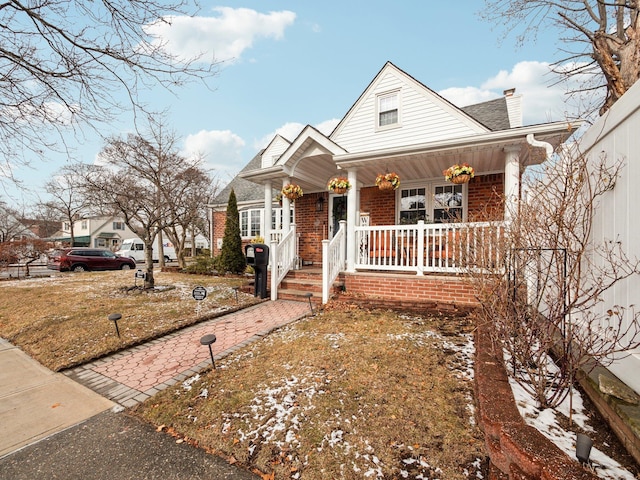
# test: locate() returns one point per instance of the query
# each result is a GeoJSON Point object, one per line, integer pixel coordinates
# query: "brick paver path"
{"type": "Point", "coordinates": [133, 375]}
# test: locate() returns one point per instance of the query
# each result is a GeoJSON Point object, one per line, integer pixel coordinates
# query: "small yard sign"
{"type": "Point", "coordinates": [199, 293]}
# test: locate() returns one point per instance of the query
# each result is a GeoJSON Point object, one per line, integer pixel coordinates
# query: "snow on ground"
{"type": "Point", "coordinates": [278, 411]}
{"type": "Point", "coordinates": [546, 421]}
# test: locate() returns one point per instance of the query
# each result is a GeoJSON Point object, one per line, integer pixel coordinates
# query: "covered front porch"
{"type": "Point", "coordinates": [426, 226]}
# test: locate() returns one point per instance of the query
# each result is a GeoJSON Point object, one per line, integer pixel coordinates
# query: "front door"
{"type": "Point", "coordinates": [337, 212]}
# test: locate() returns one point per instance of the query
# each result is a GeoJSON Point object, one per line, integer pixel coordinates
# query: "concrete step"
{"type": "Point", "coordinates": [308, 284]}
{"type": "Point", "coordinates": [299, 295]}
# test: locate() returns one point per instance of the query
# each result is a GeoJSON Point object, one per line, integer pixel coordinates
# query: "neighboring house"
{"type": "Point", "coordinates": [615, 136]}
{"type": "Point", "coordinates": [98, 232]}
{"type": "Point", "coordinates": [396, 125]}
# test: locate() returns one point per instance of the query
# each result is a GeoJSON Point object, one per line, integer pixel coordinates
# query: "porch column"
{"type": "Point", "coordinates": [266, 227]}
{"type": "Point", "coordinates": [352, 211]}
{"type": "Point", "coordinates": [511, 181]}
{"type": "Point", "coordinates": [286, 210]}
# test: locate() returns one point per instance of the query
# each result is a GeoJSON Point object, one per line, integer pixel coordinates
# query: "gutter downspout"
{"type": "Point", "coordinates": [540, 144]}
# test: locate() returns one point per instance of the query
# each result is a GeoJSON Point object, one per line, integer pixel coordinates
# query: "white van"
{"type": "Point", "coordinates": [134, 248]}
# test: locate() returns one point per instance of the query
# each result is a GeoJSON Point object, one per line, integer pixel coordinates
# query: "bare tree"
{"type": "Point", "coordinates": [68, 198]}
{"type": "Point", "coordinates": [11, 228]}
{"type": "Point", "coordinates": [542, 298]}
{"type": "Point", "coordinates": [62, 61]}
{"type": "Point", "coordinates": [187, 196]}
{"type": "Point", "coordinates": [141, 179]}
{"type": "Point", "coordinates": [602, 38]}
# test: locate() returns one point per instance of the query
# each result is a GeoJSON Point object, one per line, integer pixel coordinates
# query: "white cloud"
{"type": "Point", "coordinates": [222, 149]}
{"type": "Point", "coordinates": [543, 99]}
{"type": "Point", "coordinates": [225, 36]}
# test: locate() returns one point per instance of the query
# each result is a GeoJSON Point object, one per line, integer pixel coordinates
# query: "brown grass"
{"type": "Point", "coordinates": [62, 321]}
{"type": "Point", "coordinates": [336, 396]}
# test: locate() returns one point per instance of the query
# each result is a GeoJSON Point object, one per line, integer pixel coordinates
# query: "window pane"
{"type": "Point", "coordinates": [448, 203]}
{"type": "Point", "coordinates": [388, 110]}
{"type": "Point", "coordinates": [412, 205]}
{"type": "Point", "coordinates": [244, 224]}
{"type": "Point", "coordinates": [389, 102]}
{"type": "Point", "coordinates": [255, 223]}
{"type": "Point", "coordinates": [388, 118]}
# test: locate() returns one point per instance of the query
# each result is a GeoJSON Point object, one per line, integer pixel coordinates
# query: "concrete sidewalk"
{"type": "Point", "coordinates": [36, 403]}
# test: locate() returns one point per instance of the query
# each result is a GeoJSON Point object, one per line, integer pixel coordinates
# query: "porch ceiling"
{"type": "Point", "coordinates": [313, 172]}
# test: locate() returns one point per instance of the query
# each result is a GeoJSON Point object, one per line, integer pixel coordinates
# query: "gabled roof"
{"type": "Point", "coordinates": [309, 137]}
{"type": "Point", "coordinates": [272, 153]}
{"type": "Point", "coordinates": [390, 76]}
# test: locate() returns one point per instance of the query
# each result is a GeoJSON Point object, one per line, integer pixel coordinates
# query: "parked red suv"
{"type": "Point", "coordinates": [83, 259]}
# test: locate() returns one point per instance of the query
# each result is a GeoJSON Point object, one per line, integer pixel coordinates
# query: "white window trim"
{"type": "Point", "coordinates": [430, 186]}
{"type": "Point", "coordinates": [379, 97]}
{"type": "Point", "coordinates": [260, 225]}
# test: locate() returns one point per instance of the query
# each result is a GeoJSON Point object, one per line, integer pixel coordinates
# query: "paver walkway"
{"type": "Point", "coordinates": [133, 375]}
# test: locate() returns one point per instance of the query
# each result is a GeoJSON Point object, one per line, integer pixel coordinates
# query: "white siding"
{"type": "Point", "coordinates": [274, 150]}
{"type": "Point", "coordinates": [424, 117]}
{"type": "Point", "coordinates": [616, 136]}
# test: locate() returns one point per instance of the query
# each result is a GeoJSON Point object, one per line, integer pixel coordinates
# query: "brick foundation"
{"type": "Point", "coordinates": [449, 290]}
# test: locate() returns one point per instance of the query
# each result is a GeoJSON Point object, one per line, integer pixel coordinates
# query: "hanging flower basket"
{"type": "Point", "coordinates": [461, 179]}
{"type": "Point", "coordinates": [339, 185]}
{"type": "Point", "coordinates": [292, 191]}
{"type": "Point", "coordinates": [459, 173]}
{"type": "Point", "coordinates": [388, 181]}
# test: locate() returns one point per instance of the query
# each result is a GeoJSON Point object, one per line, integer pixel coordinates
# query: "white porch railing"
{"type": "Point", "coordinates": [275, 236]}
{"type": "Point", "coordinates": [333, 259]}
{"type": "Point", "coordinates": [283, 257]}
{"type": "Point", "coordinates": [432, 247]}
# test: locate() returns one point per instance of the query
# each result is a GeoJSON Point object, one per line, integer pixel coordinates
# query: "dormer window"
{"type": "Point", "coordinates": [389, 109]}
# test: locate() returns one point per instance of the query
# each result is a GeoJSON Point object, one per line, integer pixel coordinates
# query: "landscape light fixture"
{"type": "Point", "coordinates": [583, 448]}
{"type": "Point", "coordinates": [114, 317]}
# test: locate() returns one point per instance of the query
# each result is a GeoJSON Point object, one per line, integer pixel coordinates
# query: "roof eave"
{"type": "Point", "coordinates": [515, 135]}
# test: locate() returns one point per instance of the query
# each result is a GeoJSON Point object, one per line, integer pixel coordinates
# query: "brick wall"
{"type": "Point", "coordinates": [380, 204]}
{"type": "Point", "coordinates": [485, 198]}
{"type": "Point", "coordinates": [440, 289]}
{"type": "Point", "coordinates": [219, 222]}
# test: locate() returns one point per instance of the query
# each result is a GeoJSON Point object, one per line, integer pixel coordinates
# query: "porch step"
{"type": "Point", "coordinates": [299, 295]}
{"type": "Point", "coordinates": [309, 284]}
{"type": "Point", "coordinates": [299, 283]}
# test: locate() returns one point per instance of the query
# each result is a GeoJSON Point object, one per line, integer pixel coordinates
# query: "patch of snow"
{"type": "Point", "coordinates": [546, 421]}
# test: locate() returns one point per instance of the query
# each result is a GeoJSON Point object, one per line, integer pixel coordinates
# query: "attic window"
{"type": "Point", "coordinates": [388, 109]}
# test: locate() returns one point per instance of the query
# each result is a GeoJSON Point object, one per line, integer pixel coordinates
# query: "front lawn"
{"type": "Point", "coordinates": [346, 394]}
{"type": "Point", "coordinates": [61, 321]}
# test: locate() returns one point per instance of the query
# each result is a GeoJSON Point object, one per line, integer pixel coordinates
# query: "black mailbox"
{"type": "Point", "coordinates": [258, 257]}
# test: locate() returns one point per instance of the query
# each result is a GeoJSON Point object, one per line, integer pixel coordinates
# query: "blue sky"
{"type": "Point", "coordinates": [288, 64]}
